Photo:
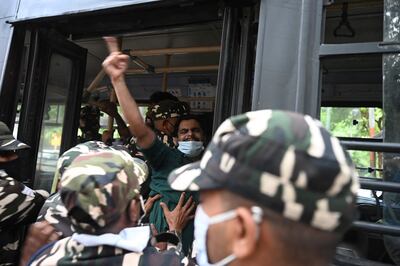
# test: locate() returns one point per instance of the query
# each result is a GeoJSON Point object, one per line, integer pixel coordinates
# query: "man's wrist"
{"type": "Point", "coordinates": [118, 81]}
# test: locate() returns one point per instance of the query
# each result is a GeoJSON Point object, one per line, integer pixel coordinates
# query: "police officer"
{"type": "Point", "coordinates": [276, 189]}
{"type": "Point", "coordinates": [53, 222]}
{"type": "Point", "coordinates": [100, 192]}
{"type": "Point", "coordinates": [19, 205]}
{"type": "Point", "coordinates": [164, 117]}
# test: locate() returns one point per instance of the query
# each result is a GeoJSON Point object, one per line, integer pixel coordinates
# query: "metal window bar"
{"type": "Point", "coordinates": [372, 146]}
{"type": "Point", "coordinates": [360, 139]}
{"type": "Point", "coordinates": [358, 48]}
{"type": "Point", "coordinates": [373, 184]}
{"type": "Point", "coordinates": [377, 228]}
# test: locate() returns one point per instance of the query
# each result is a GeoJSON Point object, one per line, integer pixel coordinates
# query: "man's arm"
{"type": "Point", "coordinates": [110, 108]}
{"type": "Point", "coordinates": [115, 66]}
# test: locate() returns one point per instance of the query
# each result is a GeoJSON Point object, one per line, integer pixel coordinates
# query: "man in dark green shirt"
{"type": "Point", "coordinates": [162, 158]}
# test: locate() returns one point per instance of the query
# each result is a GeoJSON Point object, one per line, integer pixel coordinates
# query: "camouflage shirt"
{"type": "Point", "coordinates": [19, 206]}
{"type": "Point", "coordinates": [55, 213]}
{"type": "Point", "coordinates": [69, 252]}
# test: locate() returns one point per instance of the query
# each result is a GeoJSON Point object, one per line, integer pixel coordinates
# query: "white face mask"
{"type": "Point", "coordinates": [201, 223]}
{"type": "Point", "coordinates": [191, 148]}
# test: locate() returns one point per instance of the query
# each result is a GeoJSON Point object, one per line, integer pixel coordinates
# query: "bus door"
{"type": "Point", "coordinates": [51, 102]}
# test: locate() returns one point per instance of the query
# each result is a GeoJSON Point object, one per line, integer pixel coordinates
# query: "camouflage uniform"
{"type": "Point", "coordinates": [53, 211]}
{"type": "Point", "coordinates": [19, 205]}
{"type": "Point", "coordinates": [96, 190]}
{"type": "Point", "coordinates": [283, 161]}
{"type": "Point", "coordinates": [164, 110]}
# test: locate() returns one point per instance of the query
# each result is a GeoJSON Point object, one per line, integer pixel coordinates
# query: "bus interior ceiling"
{"type": "Point", "coordinates": [149, 60]}
{"type": "Point", "coordinates": [189, 73]}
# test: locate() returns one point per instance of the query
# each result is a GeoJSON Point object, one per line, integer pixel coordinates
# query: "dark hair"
{"type": "Point", "coordinates": [159, 96]}
{"type": "Point", "coordinates": [188, 117]}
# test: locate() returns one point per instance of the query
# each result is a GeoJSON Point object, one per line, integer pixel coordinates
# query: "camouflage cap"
{"type": "Point", "coordinates": [97, 188]}
{"type": "Point", "coordinates": [53, 211]}
{"type": "Point", "coordinates": [283, 161]}
{"type": "Point", "coordinates": [67, 157]}
{"type": "Point", "coordinates": [167, 109]}
{"type": "Point", "coordinates": [141, 169]}
{"type": "Point", "coordinates": [7, 140]}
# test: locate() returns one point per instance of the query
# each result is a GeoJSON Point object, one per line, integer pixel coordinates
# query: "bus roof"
{"type": "Point", "coordinates": [34, 9]}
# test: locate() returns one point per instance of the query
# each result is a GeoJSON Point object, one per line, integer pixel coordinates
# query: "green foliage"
{"type": "Point", "coordinates": [354, 122]}
{"type": "Point", "coordinates": [52, 127]}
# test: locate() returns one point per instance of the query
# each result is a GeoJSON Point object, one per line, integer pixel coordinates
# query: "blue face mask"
{"type": "Point", "coordinates": [191, 148]}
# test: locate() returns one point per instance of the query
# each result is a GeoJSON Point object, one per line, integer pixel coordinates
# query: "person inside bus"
{"type": "Point", "coordinates": [104, 206]}
{"type": "Point", "coordinates": [276, 188]}
{"type": "Point", "coordinates": [161, 157]}
{"type": "Point", "coordinates": [19, 205]}
{"type": "Point", "coordinates": [163, 116]}
{"type": "Point", "coordinates": [156, 98]}
{"type": "Point", "coordinates": [89, 123]}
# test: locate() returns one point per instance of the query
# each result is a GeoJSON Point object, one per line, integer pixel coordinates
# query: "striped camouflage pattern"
{"type": "Point", "coordinates": [19, 206]}
{"type": "Point", "coordinates": [283, 161]}
{"type": "Point", "coordinates": [55, 213]}
{"type": "Point", "coordinates": [97, 188]}
{"type": "Point", "coordinates": [167, 109]}
{"type": "Point", "coordinates": [69, 252]}
{"type": "Point", "coordinates": [7, 140]}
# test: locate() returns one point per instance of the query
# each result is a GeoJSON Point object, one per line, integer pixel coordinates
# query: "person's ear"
{"type": "Point", "coordinates": [245, 234]}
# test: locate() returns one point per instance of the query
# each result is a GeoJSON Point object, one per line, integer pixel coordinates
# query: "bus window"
{"type": "Point", "coordinates": [359, 103]}
{"type": "Point", "coordinates": [53, 120]}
